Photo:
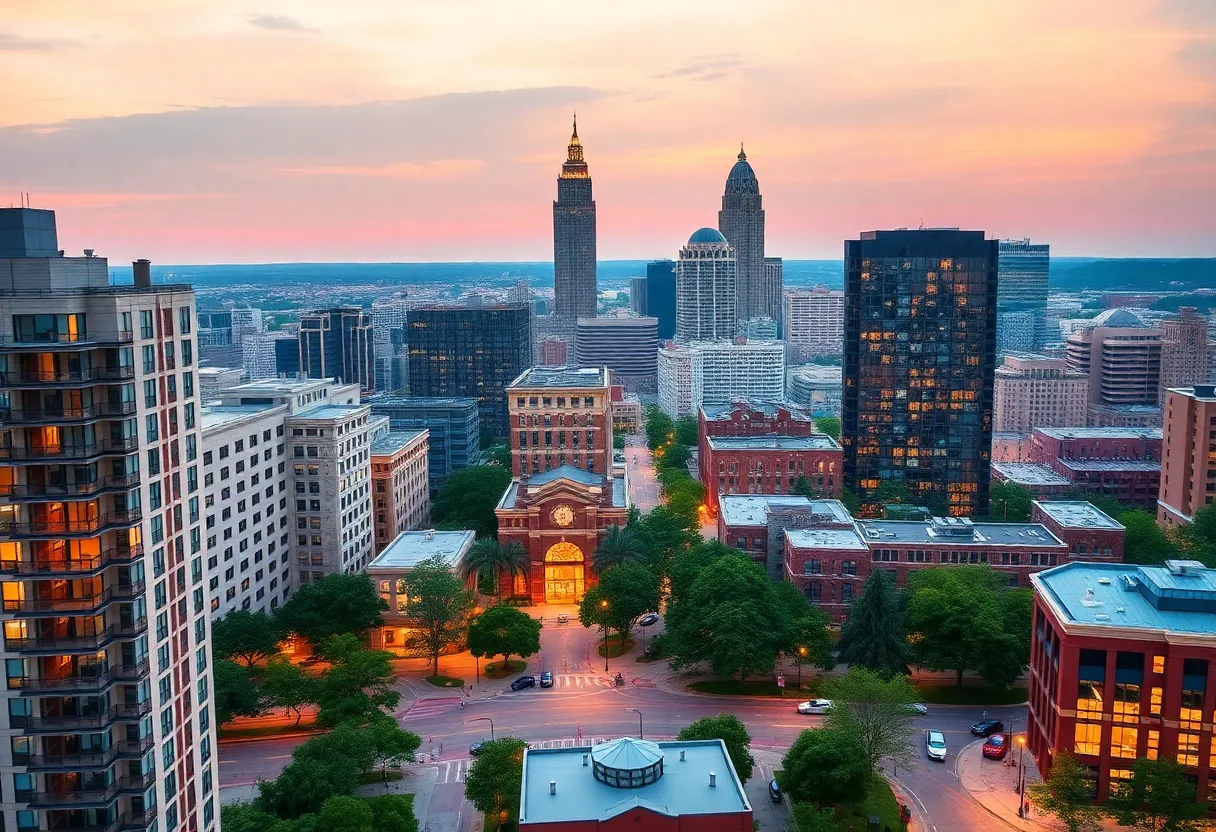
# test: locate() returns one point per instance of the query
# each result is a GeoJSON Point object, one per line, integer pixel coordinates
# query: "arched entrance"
{"type": "Point", "coordinates": [563, 574]}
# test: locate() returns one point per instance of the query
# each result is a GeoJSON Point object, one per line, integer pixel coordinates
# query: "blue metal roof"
{"type": "Point", "coordinates": [566, 472]}
{"type": "Point", "coordinates": [707, 235]}
{"type": "Point", "coordinates": [1179, 597]}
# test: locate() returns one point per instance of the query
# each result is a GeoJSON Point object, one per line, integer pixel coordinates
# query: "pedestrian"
{"type": "Point", "coordinates": [984, 715]}
{"type": "Point", "coordinates": [462, 704]}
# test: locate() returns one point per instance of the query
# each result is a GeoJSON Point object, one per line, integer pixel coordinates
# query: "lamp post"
{"type": "Point", "coordinates": [641, 736]}
{"type": "Point", "coordinates": [480, 719]}
{"type": "Point", "coordinates": [604, 607]}
{"type": "Point", "coordinates": [798, 661]}
{"type": "Point", "coordinates": [1021, 790]}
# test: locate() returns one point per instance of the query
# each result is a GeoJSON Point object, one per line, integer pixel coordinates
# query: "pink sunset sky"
{"type": "Point", "coordinates": [207, 131]}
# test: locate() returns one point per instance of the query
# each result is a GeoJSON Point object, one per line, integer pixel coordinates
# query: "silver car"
{"type": "Point", "coordinates": [815, 706]}
{"type": "Point", "coordinates": [935, 745]}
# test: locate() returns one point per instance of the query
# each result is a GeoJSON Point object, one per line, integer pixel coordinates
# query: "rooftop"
{"type": "Point", "coordinates": [722, 412]}
{"type": "Point", "coordinates": [1120, 318]}
{"type": "Point", "coordinates": [216, 417]}
{"type": "Point", "coordinates": [1029, 473]}
{"type": "Point", "coordinates": [279, 386]}
{"type": "Point", "coordinates": [1144, 466]}
{"type": "Point", "coordinates": [753, 509]}
{"type": "Point", "coordinates": [825, 539]}
{"type": "Point", "coordinates": [814, 442]}
{"type": "Point", "coordinates": [1203, 392]}
{"type": "Point", "coordinates": [1076, 514]}
{"type": "Point", "coordinates": [330, 411]}
{"type": "Point", "coordinates": [423, 401]}
{"type": "Point", "coordinates": [409, 549]}
{"type": "Point", "coordinates": [557, 377]}
{"type": "Point", "coordinates": [1179, 597]}
{"type": "Point", "coordinates": [394, 441]}
{"type": "Point", "coordinates": [704, 236]}
{"type": "Point", "coordinates": [215, 371]}
{"type": "Point", "coordinates": [567, 472]}
{"type": "Point", "coordinates": [949, 531]}
{"type": "Point", "coordinates": [1101, 433]}
{"type": "Point", "coordinates": [683, 788]}
{"type": "Point", "coordinates": [818, 372]}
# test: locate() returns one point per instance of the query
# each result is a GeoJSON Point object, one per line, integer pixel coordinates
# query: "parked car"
{"type": "Point", "coordinates": [815, 706]}
{"type": "Point", "coordinates": [563, 618]}
{"type": "Point", "coordinates": [774, 791]}
{"type": "Point", "coordinates": [987, 727]}
{"type": "Point", "coordinates": [996, 747]}
{"type": "Point", "coordinates": [917, 708]}
{"type": "Point", "coordinates": [546, 679]}
{"type": "Point", "coordinates": [524, 682]}
{"type": "Point", "coordinates": [935, 745]}
{"type": "Point", "coordinates": [476, 747]}
{"type": "Point", "coordinates": [649, 619]}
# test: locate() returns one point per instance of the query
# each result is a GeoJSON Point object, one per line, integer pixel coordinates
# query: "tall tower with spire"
{"type": "Point", "coordinates": [574, 237]}
{"type": "Point", "coordinates": [741, 222]}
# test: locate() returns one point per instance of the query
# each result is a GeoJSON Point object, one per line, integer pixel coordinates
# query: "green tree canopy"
{"type": "Point", "coordinates": [873, 636]}
{"type": "Point", "coordinates": [336, 604]}
{"type": "Point", "coordinates": [439, 605]}
{"type": "Point", "coordinates": [729, 729]}
{"type": "Point", "coordinates": [504, 631]}
{"type": "Point", "coordinates": [245, 637]}
{"type": "Point", "coordinates": [826, 767]}
{"type": "Point", "coordinates": [1008, 502]}
{"type": "Point", "coordinates": [673, 456]}
{"type": "Point", "coordinates": [1065, 794]}
{"type": "Point", "coordinates": [235, 693]}
{"type": "Point", "coordinates": [807, 818]}
{"type": "Point", "coordinates": [1157, 798]}
{"type": "Point", "coordinates": [1144, 542]}
{"type": "Point", "coordinates": [499, 454]}
{"type": "Point", "coordinates": [829, 425]}
{"type": "Point", "coordinates": [357, 685]}
{"type": "Point", "coordinates": [659, 428]}
{"type": "Point", "coordinates": [619, 546]}
{"type": "Point", "coordinates": [287, 685]}
{"type": "Point", "coordinates": [875, 711]}
{"type": "Point", "coordinates": [489, 557]}
{"type": "Point", "coordinates": [621, 596]}
{"type": "Point", "coordinates": [808, 639]}
{"type": "Point", "coordinates": [665, 533]}
{"type": "Point", "coordinates": [495, 777]}
{"type": "Point", "coordinates": [468, 497]}
{"type": "Point", "coordinates": [687, 431]}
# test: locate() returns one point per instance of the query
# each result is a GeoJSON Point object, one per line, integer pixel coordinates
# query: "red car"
{"type": "Point", "coordinates": [996, 747]}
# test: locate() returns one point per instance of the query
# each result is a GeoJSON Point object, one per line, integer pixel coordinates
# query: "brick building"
{"type": "Point", "coordinates": [1188, 480]}
{"type": "Point", "coordinates": [1122, 667]}
{"type": "Point", "coordinates": [401, 496]}
{"type": "Point", "coordinates": [1124, 463]}
{"type": "Point", "coordinates": [754, 418]}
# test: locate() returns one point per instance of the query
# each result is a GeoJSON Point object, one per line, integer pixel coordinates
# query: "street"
{"type": "Point", "coordinates": [644, 490]}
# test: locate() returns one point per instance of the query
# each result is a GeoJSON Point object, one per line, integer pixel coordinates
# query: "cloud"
{"type": "Point", "coordinates": [16, 43]}
{"type": "Point", "coordinates": [278, 22]}
{"type": "Point", "coordinates": [708, 68]}
{"type": "Point", "coordinates": [437, 169]}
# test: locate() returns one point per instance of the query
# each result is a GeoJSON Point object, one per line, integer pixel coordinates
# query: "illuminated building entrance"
{"type": "Point", "coordinates": [563, 574]}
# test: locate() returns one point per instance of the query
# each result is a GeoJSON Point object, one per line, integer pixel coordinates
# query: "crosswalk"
{"type": "Point", "coordinates": [563, 681]}
{"type": "Point", "coordinates": [431, 706]}
{"type": "Point", "coordinates": [454, 771]}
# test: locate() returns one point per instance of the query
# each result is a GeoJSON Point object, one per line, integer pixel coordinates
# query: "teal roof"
{"type": "Point", "coordinates": [707, 235]}
{"type": "Point", "coordinates": [566, 472]}
{"type": "Point", "coordinates": [627, 753]}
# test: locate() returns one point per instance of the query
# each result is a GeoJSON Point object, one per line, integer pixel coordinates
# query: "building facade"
{"type": "Point", "coordinates": [401, 495]}
{"type": "Point", "coordinates": [1121, 354]}
{"type": "Point", "coordinates": [628, 347]}
{"type": "Point", "coordinates": [1031, 391]}
{"type": "Point", "coordinates": [705, 288]}
{"type": "Point", "coordinates": [338, 344]}
{"type": "Point", "coordinates": [109, 719]}
{"type": "Point", "coordinates": [754, 418]}
{"type": "Point", "coordinates": [1021, 318]}
{"type": "Point", "coordinates": [920, 347]}
{"type": "Point", "coordinates": [741, 222]}
{"type": "Point", "coordinates": [574, 289]}
{"type": "Point", "coordinates": [627, 415]}
{"type": "Point", "coordinates": [818, 388]}
{"type": "Point", "coordinates": [661, 296]}
{"type": "Point", "coordinates": [388, 572]}
{"type": "Point", "coordinates": [637, 295]}
{"type": "Point", "coordinates": [769, 464]}
{"type": "Point", "coordinates": [813, 322]}
{"type": "Point", "coordinates": [389, 345]}
{"type": "Point", "coordinates": [453, 431]}
{"type": "Point", "coordinates": [771, 290]}
{"type": "Point", "coordinates": [553, 352]}
{"type": "Point", "coordinates": [560, 417]}
{"type": "Point", "coordinates": [1184, 350]}
{"type": "Point", "coordinates": [1188, 464]}
{"type": "Point", "coordinates": [470, 352]}
{"type": "Point", "coordinates": [719, 372]}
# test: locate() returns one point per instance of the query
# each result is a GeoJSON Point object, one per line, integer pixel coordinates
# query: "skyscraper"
{"type": "Point", "coordinates": [1188, 461]}
{"type": "Point", "coordinates": [1184, 350]}
{"type": "Point", "coordinates": [705, 288]}
{"type": "Point", "coordinates": [338, 344]}
{"type": "Point", "coordinates": [919, 356]}
{"type": "Point", "coordinates": [574, 237]}
{"type": "Point", "coordinates": [813, 323]}
{"type": "Point", "coordinates": [110, 720]}
{"type": "Point", "coordinates": [661, 296]}
{"type": "Point", "coordinates": [637, 295]}
{"type": "Point", "coordinates": [628, 347]}
{"type": "Point", "coordinates": [388, 319]}
{"type": "Point", "coordinates": [741, 221]}
{"type": "Point", "coordinates": [1021, 300]}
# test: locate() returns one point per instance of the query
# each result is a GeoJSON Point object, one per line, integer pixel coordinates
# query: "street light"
{"type": "Point", "coordinates": [1021, 789]}
{"type": "Point", "coordinates": [641, 736]}
{"type": "Point", "coordinates": [486, 719]}
{"type": "Point", "coordinates": [604, 606]}
{"type": "Point", "coordinates": [798, 661]}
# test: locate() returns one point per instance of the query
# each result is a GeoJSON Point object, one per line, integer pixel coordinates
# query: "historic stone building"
{"type": "Point", "coordinates": [574, 237]}
{"type": "Point", "coordinates": [741, 221]}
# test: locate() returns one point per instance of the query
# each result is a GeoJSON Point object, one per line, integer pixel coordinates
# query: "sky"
{"type": "Point", "coordinates": [234, 131]}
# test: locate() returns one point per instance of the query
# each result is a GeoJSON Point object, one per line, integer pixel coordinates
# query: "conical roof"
{"type": "Point", "coordinates": [627, 754]}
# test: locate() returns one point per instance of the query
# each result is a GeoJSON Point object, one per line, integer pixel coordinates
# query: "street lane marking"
{"type": "Point", "coordinates": [280, 757]}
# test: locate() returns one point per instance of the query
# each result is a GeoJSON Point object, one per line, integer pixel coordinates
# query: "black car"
{"type": "Point", "coordinates": [774, 791]}
{"type": "Point", "coordinates": [987, 727]}
{"type": "Point", "coordinates": [524, 682]}
{"type": "Point", "coordinates": [649, 619]}
{"type": "Point", "coordinates": [476, 747]}
{"type": "Point", "coordinates": [546, 679]}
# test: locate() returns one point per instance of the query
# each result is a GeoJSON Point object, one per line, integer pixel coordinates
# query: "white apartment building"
{"type": "Point", "coordinates": [211, 380]}
{"type": "Point", "coordinates": [1034, 391]}
{"type": "Point", "coordinates": [400, 483]}
{"type": "Point", "coordinates": [108, 722]}
{"type": "Point", "coordinates": [705, 288]}
{"type": "Point", "coordinates": [813, 322]}
{"type": "Point", "coordinates": [719, 372]}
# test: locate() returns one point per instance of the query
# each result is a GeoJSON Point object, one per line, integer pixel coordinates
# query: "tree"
{"type": "Point", "coordinates": [335, 604]}
{"type": "Point", "coordinates": [495, 778]}
{"type": "Point", "coordinates": [499, 454]}
{"type": "Point", "coordinates": [245, 637]}
{"type": "Point", "coordinates": [829, 425]}
{"type": "Point", "coordinates": [618, 442]}
{"type": "Point", "coordinates": [1008, 502]}
{"type": "Point", "coordinates": [873, 635]}
{"type": "Point", "coordinates": [619, 545]}
{"type": "Point", "coordinates": [439, 606]}
{"type": "Point", "coordinates": [1066, 794]}
{"type": "Point", "coordinates": [489, 557]}
{"type": "Point", "coordinates": [659, 428]}
{"type": "Point", "coordinates": [960, 618]}
{"type": "Point", "coordinates": [674, 456]}
{"type": "Point", "coordinates": [687, 431]}
{"type": "Point", "coordinates": [826, 767]}
{"type": "Point", "coordinates": [850, 500]}
{"type": "Point", "coordinates": [468, 497]}
{"type": "Point", "coordinates": [622, 595]}
{"type": "Point", "coordinates": [306, 783]}
{"type": "Point", "coordinates": [1157, 798]}
{"type": "Point", "coordinates": [729, 729]}
{"type": "Point", "coordinates": [485, 437]}
{"type": "Point", "coordinates": [1144, 542]}
{"type": "Point", "coordinates": [808, 641]}
{"type": "Point", "coordinates": [357, 685]}
{"type": "Point", "coordinates": [504, 631]}
{"type": "Point", "coordinates": [245, 817]}
{"type": "Point", "coordinates": [235, 694]}
{"type": "Point", "coordinates": [389, 746]}
{"type": "Point", "coordinates": [665, 533]}
{"type": "Point", "coordinates": [876, 712]}
{"type": "Point", "coordinates": [807, 818]}
{"type": "Point", "coordinates": [286, 685]}
{"type": "Point", "coordinates": [393, 813]}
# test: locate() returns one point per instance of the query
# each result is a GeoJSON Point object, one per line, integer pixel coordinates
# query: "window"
{"type": "Point", "coordinates": [145, 323]}
{"type": "Point", "coordinates": [1088, 739]}
{"type": "Point", "coordinates": [1123, 742]}
{"type": "Point", "coordinates": [184, 320]}
{"type": "Point", "coordinates": [1188, 749]}
{"type": "Point", "coordinates": [1158, 664]}
{"type": "Point", "coordinates": [152, 427]}
{"type": "Point", "coordinates": [1154, 739]}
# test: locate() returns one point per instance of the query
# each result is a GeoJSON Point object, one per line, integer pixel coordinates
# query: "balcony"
{"type": "Point", "coordinates": [76, 761]}
{"type": "Point", "coordinates": [81, 799]}
{"type": "Point", "coordinates": [51, 645]}
{"type": "Point", "coordinates": [79, 567]}
{"type": "Point", "coordinates": [72, 528]}
{"type": "Point", "coordinates": [66, 378]}
{"type": "Point", "coordinates": [24, 492]}
{"type": "Point", "coordinates": [71, 453]}
{"type": "Point", "coordinates": [65, 415]}
{"type": "Point", "coordinates": [79, 685]}
{"type": "Point", "coordinates": [86, 722]}
{"type": "Point", "coordinates": [86, 605]}
{"type": "Point", "coordinates": [61, 341]}
{"type": "Point", "coordinates": [138, 820]}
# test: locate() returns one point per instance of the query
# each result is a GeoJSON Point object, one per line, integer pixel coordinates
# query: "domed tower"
{"type": "Point", "coordinates": [741, 221]}
{"type": "Point", "coordinates": [705, 288]}
{"type": "Point", "coordinates": [574, 237]}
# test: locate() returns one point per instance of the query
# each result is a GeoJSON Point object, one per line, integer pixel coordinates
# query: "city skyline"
{"type": "Point", "coordinates": [302, 141]}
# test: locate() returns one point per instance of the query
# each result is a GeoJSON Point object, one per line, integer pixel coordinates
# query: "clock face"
{"type": "Point", "coordinates": [563, 516]}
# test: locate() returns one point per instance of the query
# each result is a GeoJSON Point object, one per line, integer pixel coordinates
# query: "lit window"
{"type": "Point", "coordinates": [1088, 739]}
{"type": "Point", "coordinates": [1158, 664]}
{"type": "Point", "coordinates": [1188, 749]}
{"type": "Point", "coordinates": [1123, 743]}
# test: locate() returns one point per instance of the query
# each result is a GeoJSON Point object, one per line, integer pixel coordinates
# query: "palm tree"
{"type": "Point", "coordinates": [620, 546]}
{"type": "Point", "coordinates": [488, 556]}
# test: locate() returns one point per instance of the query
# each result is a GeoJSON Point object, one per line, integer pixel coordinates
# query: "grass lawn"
{"type": "Point", "coordinates": [880, 801]}
{"type": "Point", "coordinates": [267, 730]}
{"type": "Point", "coordinates": [498, 670]}
{"type": "Point", "coordinates": [732, 687]}
{"type": "Point", "coordinates": [445, 681]}
{"type": "Point", "coordinates": [380, 777]}
{"type": "Point", "coordinates": [971, 695]}
{"type": "Point", "coordinates": [615, 647]}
